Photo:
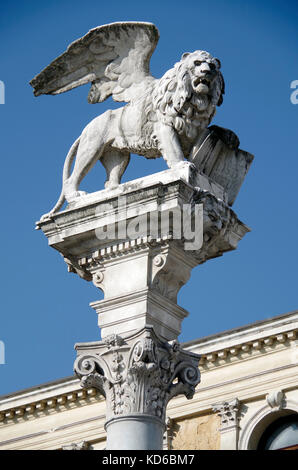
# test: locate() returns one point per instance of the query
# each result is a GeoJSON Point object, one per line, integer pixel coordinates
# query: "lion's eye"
{"type": "Point", "coordinates": [212, 66]}
{"type": "Point", "coordinates": [197, 62]}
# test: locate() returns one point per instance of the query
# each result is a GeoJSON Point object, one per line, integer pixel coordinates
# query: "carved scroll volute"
{"type": "Point", "coordinates": [98, 280]}
{"type": "Point", "coordinates": [170, 271]}
{"type": "Point", "coordinates": [158, 264]}
{"type": "Point", "coordinates": [93, 372]}
{"type": "Point", "coordinates": [88, 270]}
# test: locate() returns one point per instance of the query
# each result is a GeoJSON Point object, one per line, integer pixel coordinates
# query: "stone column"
{"type": "Point", "coordinates": [138, 244]}
{"type": "Point", "coordinates": [228, 412]}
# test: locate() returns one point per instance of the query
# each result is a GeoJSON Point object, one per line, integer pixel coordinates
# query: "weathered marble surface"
{"type": "Point", "coordinates": [141, 276]}
{"type": "Point", "coordinates": [138, 374]}
{"type": "Point", "coordinates": [166, 117]}
{"type": "Point", "coordinates": [221, 161]}
{"type": "Point", "coordinates": [138, 242]}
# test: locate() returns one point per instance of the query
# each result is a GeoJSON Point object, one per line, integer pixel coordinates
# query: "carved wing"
{"type": "Point", "coordinates": [114, 58]}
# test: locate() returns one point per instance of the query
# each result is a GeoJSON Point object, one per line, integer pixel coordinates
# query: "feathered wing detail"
{"type": "Point", "coordinates": [114, 58]}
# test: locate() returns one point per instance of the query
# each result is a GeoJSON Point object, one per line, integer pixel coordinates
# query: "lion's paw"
{"type": "Point", "coordinates": [47, 216]}
{"type": "Point", "coordinates": [43, 218]}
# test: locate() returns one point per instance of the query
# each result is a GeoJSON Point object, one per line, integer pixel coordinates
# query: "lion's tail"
{"type": "Point", "coordinates": [66, 172]}
{"type": "Point", "coordinates": [69, 159]}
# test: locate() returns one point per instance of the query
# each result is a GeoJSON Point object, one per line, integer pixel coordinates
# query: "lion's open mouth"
{"type": "Point", "coordinates": [201, 85]}
{"type": "Point", "coordinates": [200, 80]}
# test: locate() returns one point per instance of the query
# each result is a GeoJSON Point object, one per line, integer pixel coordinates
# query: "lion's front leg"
{"type": "Point", "coordinates": [169, 145]}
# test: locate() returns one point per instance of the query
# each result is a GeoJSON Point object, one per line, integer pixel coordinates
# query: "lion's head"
{"type": "Point", "coordinates": [187, 95]}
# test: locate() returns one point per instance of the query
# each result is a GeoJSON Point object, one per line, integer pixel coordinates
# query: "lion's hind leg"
{"type": "Point", "coordinates": [92, 144]}
{"type": "Point", "coordinates": [115, 163]}
{"type": "Point", "coordinates": [87, 156]}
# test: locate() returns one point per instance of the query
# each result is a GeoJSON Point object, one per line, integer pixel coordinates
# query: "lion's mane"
{"type": "Point", "coordinates": [174, 101]}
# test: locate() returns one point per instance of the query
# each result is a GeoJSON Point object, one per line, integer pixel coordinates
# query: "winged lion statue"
{"type": "Point", "coordinates": [163, 117]}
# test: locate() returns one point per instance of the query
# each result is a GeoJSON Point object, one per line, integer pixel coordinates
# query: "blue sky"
{"type": "Point", "coordinates": [45, 310]}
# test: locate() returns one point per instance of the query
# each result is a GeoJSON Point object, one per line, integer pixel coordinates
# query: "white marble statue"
{"type": "Point", "coordinates": [163, 117]}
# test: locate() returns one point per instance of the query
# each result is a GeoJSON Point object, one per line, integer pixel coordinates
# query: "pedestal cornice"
{"type": "Point", "coordinates": [141, 233]}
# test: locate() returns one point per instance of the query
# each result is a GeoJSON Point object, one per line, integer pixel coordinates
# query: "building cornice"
{"type": "Point", "coordinates": [260, 337]}
{"type": "Point", "coordinates": [216, 350]}
{"type": "Point", "coordinates": [23, 407]}
{"type": "Point", "coordinates": [244, 350]}
{"type": "Point", "coordinates": [279, 323]}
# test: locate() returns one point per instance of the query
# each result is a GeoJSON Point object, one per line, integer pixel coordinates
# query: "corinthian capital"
{"type": "Point", "coordinates": [137, 374]}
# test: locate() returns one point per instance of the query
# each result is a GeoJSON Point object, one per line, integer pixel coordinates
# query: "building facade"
{"type": "Point", "coordinates": [247, 399]}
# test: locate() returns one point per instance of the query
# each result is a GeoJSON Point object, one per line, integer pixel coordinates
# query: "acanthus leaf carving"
{"type": "Point", "coordinates": [228, 411]}
{"type": "Point", "coordinates": [140, 375]}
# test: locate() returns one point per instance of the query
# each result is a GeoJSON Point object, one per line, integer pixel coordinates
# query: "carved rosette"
{"type": "Point", "coordinates": [137, 374]}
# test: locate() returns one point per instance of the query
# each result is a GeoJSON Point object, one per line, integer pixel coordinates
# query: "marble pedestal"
{"type": "Point", "coordinates": [138, 244]}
